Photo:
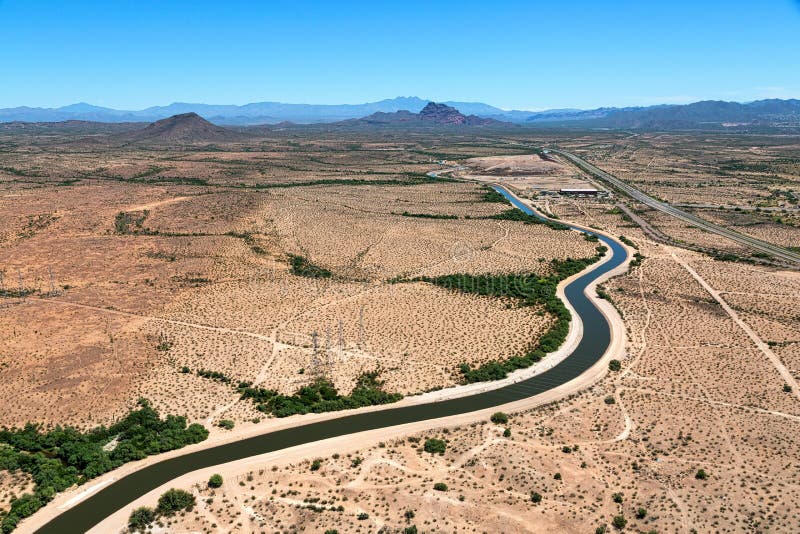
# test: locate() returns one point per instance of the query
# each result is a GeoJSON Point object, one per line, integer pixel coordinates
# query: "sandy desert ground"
{"type": "Point", "coordinates": [710, 346]}
{"type": "Point", "coordinates": [142, 264]}
{"type": "Point", "coordinates": [203, 282]}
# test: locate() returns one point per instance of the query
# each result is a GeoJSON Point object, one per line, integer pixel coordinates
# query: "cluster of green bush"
{"type": "Point", "coordinates": [528, 290]}
{"type": "Point", "coordinates": [302, 266]}
{"type": "Point", "coordinates": [249, 240]}
{"type": "Point", "coordinates": [435, 446]}
{"type": "Point", "coordinates": [515, 214]}
{"type": "Point", "coordinates": [637, 259]}
{"type": "Point", "coordinates": [491, 195]}
{"type": "Point", "coordinates": [64, 456]}
{"type": "Point", "coordinates": [171, 502]}
{"type": "Point", "coordinates": [127, 224]}
{"type": "Point", "coordinates": [321, 396]}
{"type": "Point", "coordinates": [628, 242]}
{"type": "Point", "coordinates": [213, 375]}
{"type": "Point", "coordinates": [429, 215]}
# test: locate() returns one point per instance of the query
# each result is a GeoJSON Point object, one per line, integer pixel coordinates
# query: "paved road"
{"type": "Point", "coordinates": [746, 240]}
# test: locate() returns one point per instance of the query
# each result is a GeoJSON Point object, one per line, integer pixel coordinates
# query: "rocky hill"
{"type": "Point", "coordinates": [183, 128]}
{"type": "Point", "coordinates": [432, 114]}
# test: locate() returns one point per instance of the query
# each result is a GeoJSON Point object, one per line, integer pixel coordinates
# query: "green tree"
{"type": "Point", "coordinates": [536, 497]}
{"type": "Point", "coordinates": [435, 446]}
{"type": "Point", "coordinates": [499, 418]}
{"type": "Point", "coordinates": [227, 424]}
{"type": "Point", "coordinates": [619, 521]}
{"type": "Point", "coordinates": [614, 365]}
{"type": "Point", "coordinates": [215, 481]}
{"type": "Point", "coordinates": [141, 517]}
{"type": "Point", "coordinates": [440, 486]}
{"type": "Point", "coordinates": [174, 500]}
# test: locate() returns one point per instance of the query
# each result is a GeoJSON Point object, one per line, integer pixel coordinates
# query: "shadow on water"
{"type": "Point", "coordinates": [596, 337]}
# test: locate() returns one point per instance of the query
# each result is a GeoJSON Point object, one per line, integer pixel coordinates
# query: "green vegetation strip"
{"type": "Point", "coordinates": [490, 195]}
{"type": "Point", "coordinates": [302, 266]}
{"type": "Point", "coordinates": [528, 290]}
{"type": "Point", "coordinates": [515, 214]}
{"type": "Point", "coordinates": [320, 396]}
{"type": "Point", "coordinates": [64, 456]}
{"type": "Point", "coordinates": [429, 215]}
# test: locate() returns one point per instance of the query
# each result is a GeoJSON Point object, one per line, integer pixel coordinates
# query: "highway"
{"type": "Point", "coordinates": [746, 240]}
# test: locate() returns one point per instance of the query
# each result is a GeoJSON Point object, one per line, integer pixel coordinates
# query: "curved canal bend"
{"type": "Point", "coordinates": [592, 346]}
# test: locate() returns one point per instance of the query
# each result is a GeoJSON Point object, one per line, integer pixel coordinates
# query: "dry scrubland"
{"type": "Point", "coordinates": [695, 392]}
{"type": "Point", "coordinates": [698, 389]}
{"type": "Point", "coordinates": [169, 258]}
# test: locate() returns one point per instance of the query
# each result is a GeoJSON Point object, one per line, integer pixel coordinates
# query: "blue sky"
{"type": "Point", "coordinates": [523, 55]}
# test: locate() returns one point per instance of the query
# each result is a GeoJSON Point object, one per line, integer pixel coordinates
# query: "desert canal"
{"type": "Point", "coordinates": [592, 346]}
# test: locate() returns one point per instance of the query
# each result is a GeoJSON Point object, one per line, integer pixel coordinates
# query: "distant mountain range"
{"type": "Point", "coordinates": [432, 114]}
{"type": "Point", "coordinates": [700, 115]}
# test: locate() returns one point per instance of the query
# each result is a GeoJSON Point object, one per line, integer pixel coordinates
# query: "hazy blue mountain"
{"type": "Point", "coordinates": [706, 114]}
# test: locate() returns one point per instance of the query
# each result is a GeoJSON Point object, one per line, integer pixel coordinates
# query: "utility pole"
{"type": "Point", "coordinates": [361, 327]}
{"type": "Point", "coordinates": [52, 281]}
{"type": "Point", "coordinates": [341, 340]}
{"type": "Point", "coordinates": [314, 366]}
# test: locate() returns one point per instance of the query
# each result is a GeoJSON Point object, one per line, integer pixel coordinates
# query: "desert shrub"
{"type": "Point", "coordinates": [174, 500]}
{"type": "Point", "coordinates": [435, 446]}
{"type": "Point", "coordinates": [617, 498]}
{"type": "Point", "coordinates": [619, 521]}
{"type": "Point", "coordinates": [499, 418]}
{"type": "Point", "coordinates": [515, 214]}
{"type": "Point", "coordinates": [316, 464]}
{"type": "Point", "coordinates": [614, 365]}
{"type": "Point", "coordinates": [215, 481]}
{"type": "Point", "coordinates": [428, 215]}
{"type": "Point", "coordinates": [141, 518]}
{"type": "Point", "coordinates": [440, 486]}
{"type": "Point", "coordinates": [302, 266]}
{"type": "Point", "coordinates": [226, 424]}
{"type": "Point", "coordinates": [536, 497]}
{"type": "Point", "coordinates": [491, 195]}
{"type": "Point", "coordinates": [507, 433]}
{"type": "Point", "coordinates": [321, 396]}
{"type": "Point", "coordinates": [701, 474]}
{"type": "Point", "coordinates": [641, 513]}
